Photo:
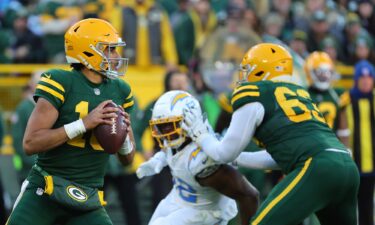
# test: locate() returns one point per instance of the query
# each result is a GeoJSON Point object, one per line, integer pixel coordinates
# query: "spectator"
{"type": "Point", "coordinates": [178, 15]}
{"type": "Point", "coordinates": [4, 46]}
{"type": "Point", "coordinates": [194, 29]}
{"type": "Point", "coordinates": [26, 47]}
{"type": "Point", "coordinates": [332, 48]}
{"type": "Point", "coordinates": [361, 120]}
{"type": "Point", "coordinates": [229, 42]}
{"type": "Point", "coordinates": [298, 43]}
{"type": "Point", "coordinates": [273, 25]}
{"type": "Point", "coordinates": [319, 29]}
{"type": "Point", "coordinates": [19, 121]}
{"type": "Point", "coordinates": [353, 30]}
{"type": "Point", "coordinates": [285, 10]}
{"type": "Point", "coordinates": [367, 15]}
{"type": "Point", "coordinates": [363, 50]}
{"type": "Point", "coordinates": [52, 21]}
{"type": "Point", "coordinates": [149, 39]}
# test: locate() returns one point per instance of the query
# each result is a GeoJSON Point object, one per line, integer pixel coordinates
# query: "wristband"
{"type": "Point", "coordinates": [127, 147]}
{"type": "Point", "coordinates": [75, 128]}
{"type": "Point", "coordinates": [343, 132]}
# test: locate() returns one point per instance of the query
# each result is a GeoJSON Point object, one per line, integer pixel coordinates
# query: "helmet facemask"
{"type": "Point", "coordinates": [245, 71]}
{"type": "Point", "coordinates": [110, 67]}
{"type": "Point", "coordinates": [322, 77]}
{"type": "Point", "coordinates": [168, 131]}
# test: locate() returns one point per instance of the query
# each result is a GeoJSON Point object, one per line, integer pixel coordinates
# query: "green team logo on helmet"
{"type": "Point", "coordinates": [76, 193]}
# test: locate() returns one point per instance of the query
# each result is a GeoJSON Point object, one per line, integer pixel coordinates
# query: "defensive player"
{"type": "Point", "coordinates": [202, 189]}
{"type": "Point", "coordinates": [64, 186]}
{"type": "Point", "coordinates": [320, 176]}
{"type": "Point", "coordinates": [331, 101]}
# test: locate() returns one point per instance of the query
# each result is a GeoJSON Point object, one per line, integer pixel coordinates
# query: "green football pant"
{"type": "Point", "coordinates": [32, 208]}
{"type": "Point", "coordinates": [325, 184]}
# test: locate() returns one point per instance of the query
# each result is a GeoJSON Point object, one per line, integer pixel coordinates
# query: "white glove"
{"type": "Point", "coordinates": [194, 124]}
{"type": "Point", "coordinates": [152, 166]}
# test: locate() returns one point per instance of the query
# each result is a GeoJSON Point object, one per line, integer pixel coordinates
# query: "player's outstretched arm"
{"type": "Point", "coordinates": [241, 129]}
{"type": "Point", "coordinates": [231, 183]}
{"type": "Point", "coordinates": [152, 166]}
{"type": "Point", "coordinates": [41, 137]}
{"type": "Point", "coordinates": [260, 160]}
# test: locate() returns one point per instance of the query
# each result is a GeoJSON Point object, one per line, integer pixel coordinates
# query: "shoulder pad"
{"type": "Point", "coordinates": [53, 85]}
{"type": "Point", "coordinates": [199, 161]}
{"type": "Point", "coordinates": [129, 99]}
{"type": "Point", "coordinates": [245, 93]}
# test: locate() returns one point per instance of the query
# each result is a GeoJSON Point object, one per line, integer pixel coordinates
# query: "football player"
{"type": "Point", "coordinates": [321, 176]}
{"type": "Point", "coordinates": [331, 101]}
{"type": "Point", "coordinates": [203, 190]}
{"type": "Point", "coordinates": [65, 184]}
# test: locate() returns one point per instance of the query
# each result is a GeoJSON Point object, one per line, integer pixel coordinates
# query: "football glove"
{"type": "Point", "coordinates": [152, 166]}
{"type": "Point", "coordinates": [195, 125]}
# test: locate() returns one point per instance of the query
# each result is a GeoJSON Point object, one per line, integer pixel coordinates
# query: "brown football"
{"type": "Point", "coordinates": [111, 137]}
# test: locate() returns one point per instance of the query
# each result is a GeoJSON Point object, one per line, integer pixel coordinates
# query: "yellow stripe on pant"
{"type": "Point", "coordinates": [283, 193]}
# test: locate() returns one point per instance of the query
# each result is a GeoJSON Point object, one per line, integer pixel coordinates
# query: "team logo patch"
{"type": "Point", "coordinates": [76, 193]}
{"type": "Point", "coordinates": [97, 91]}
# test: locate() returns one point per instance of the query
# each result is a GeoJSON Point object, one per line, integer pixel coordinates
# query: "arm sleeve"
{"type": "Point", "coordinates": [257, 160]}
{"type": "Point", "coordinates": [241, 130]}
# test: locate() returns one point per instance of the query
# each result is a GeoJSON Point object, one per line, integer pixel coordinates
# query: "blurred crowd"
{"type": "Point", "coordinates": [200, 43]}
{"type": "Point", "coordinates": [177, 32]}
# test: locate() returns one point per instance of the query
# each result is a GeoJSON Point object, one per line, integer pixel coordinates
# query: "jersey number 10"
{"type": "Point", "coordinates": [83, 109]}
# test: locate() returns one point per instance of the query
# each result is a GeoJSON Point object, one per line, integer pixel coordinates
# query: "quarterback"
{"type": "Point", "coordinates": [320, 176]}
{"type": "Point", "coordinates": [204, 192]}
{"type": "Point", "coordinates": [65, 184]}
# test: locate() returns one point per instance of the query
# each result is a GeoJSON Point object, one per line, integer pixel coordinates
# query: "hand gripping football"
{"type": "Point", "coordinates": [111, 137]}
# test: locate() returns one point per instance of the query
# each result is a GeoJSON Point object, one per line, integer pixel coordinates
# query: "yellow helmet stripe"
{"type": "Point", "coordinates": [51, 91]}
{"type": "Point", "coordinates": [245, 94]}
{"type": "Point", "coordinates": [53, 83]}
{"type": "Point", "coordinates": [127, 105]}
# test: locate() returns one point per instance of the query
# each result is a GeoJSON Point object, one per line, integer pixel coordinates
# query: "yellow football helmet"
{"type": "Point", "coordinates": [85, 43]}
{"type": "Point", "coordinates": [265, 61]}
{"type": "Point", "coordinates": [319, 69]}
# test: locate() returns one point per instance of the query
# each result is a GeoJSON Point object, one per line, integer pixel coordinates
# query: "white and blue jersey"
{"type": "Point", "coordinates": [189, 202]}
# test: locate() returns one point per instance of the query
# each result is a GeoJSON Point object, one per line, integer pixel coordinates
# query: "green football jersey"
{"type": "Point", "coordinates": [81, 159]}
{"type": "Point", "coordinates": [330, 103]}
{"type": "Point", "coordinates": [292, 129]}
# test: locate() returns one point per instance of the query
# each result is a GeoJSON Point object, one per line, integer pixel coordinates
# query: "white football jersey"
{"type": "Point", "coordinates": [185, 165]}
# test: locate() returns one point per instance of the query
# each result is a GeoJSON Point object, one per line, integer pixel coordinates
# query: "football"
{"type": "Point", "coordinates": [111, 137]}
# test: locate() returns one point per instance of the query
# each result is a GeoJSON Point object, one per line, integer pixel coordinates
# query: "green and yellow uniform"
{"type": "Point", "coordinates": [330, 103]}
{"type": "Point", "coordinates": [80, 160]}
{"type": "Point", "coordinates": [321, 176]}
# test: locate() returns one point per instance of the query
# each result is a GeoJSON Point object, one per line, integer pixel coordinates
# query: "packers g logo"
{"type": "Point", "coordinates": [76, 193]}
